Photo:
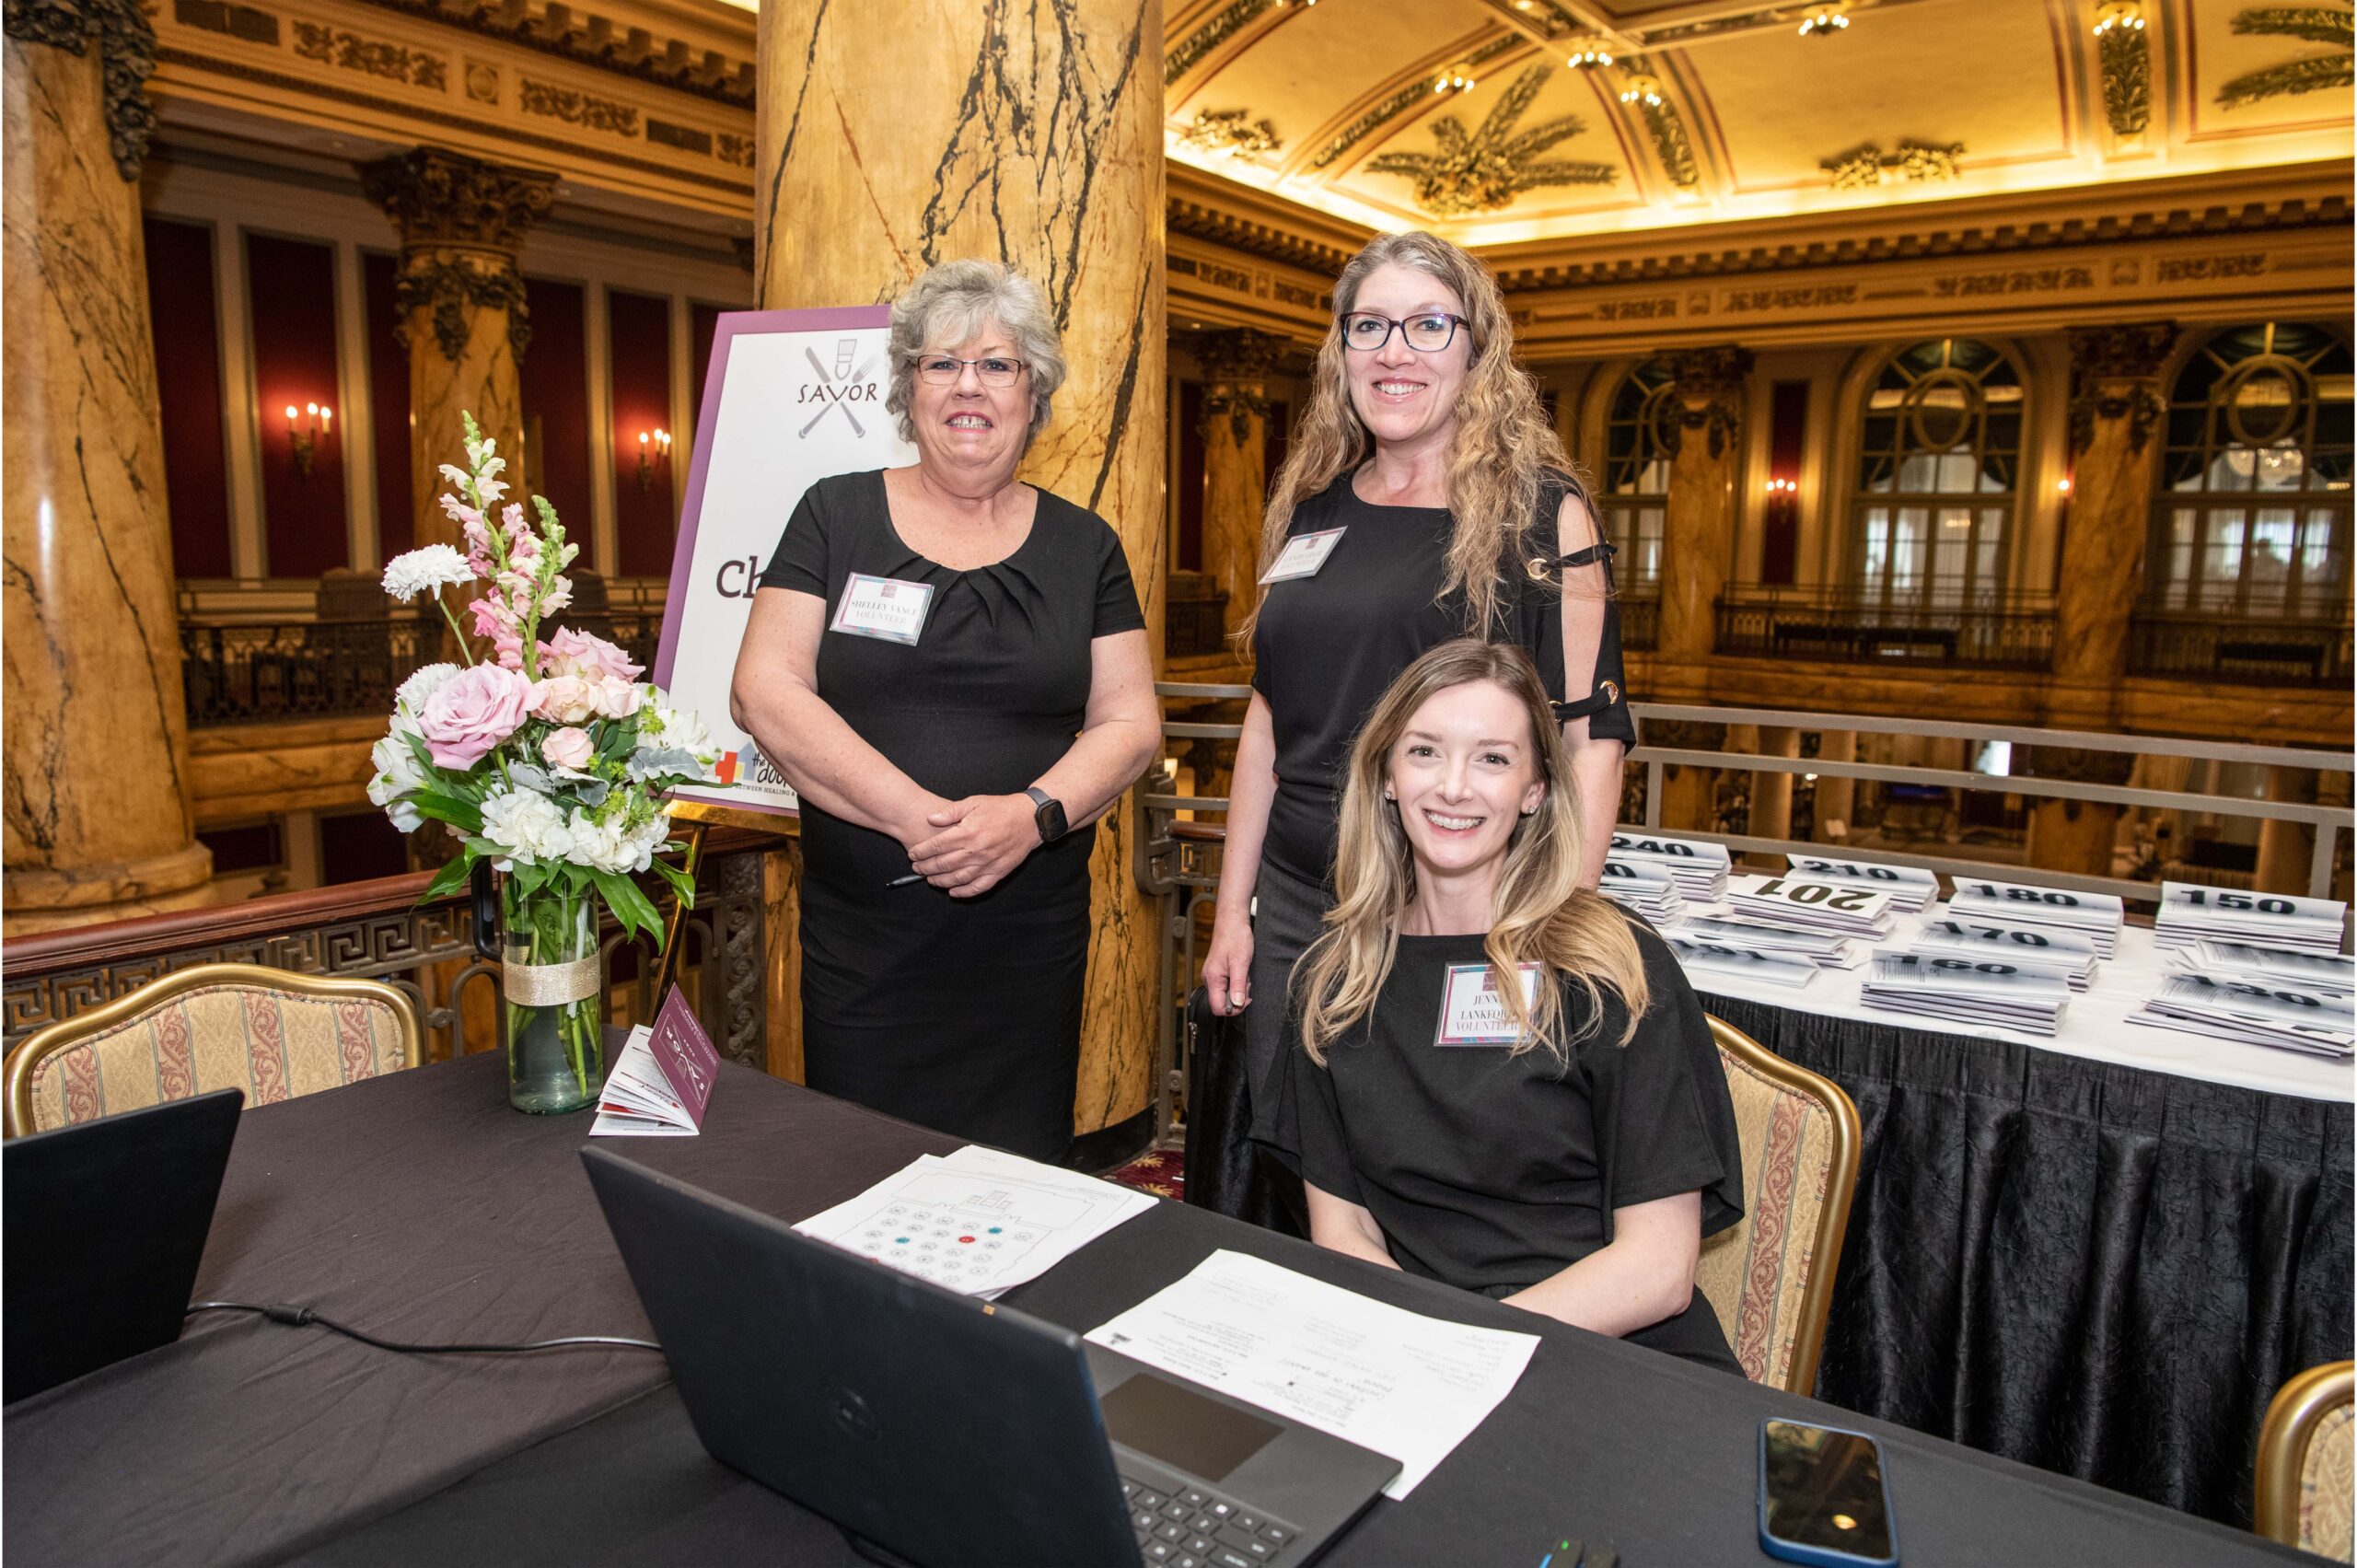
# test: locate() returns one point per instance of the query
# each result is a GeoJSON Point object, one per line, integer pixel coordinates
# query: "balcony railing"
{"type": "Point", "coordinates": [2014, 632]}
{"type": "Point", "coordinates": [2240, 651]}
{"type": "Point", "coordinates": [1640, 619]}
{"type": "Point", "coordinates": [1194, 617]}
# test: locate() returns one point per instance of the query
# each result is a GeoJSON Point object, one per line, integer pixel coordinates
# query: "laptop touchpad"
{"type": "Point", "coordinates": [1182, 1428]}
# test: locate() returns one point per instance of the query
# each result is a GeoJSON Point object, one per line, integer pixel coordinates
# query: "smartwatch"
{"type": "Point", "coordinates": [1048, 816]}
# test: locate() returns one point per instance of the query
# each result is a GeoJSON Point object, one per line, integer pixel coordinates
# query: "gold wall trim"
{"type": "Point", "coordinates": [599, 45]}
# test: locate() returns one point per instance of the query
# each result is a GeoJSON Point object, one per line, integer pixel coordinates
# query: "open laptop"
{"type": "Point", "coordinates": [949, 1430]}
{"type": "Point", "coordinates": [106, 1223]}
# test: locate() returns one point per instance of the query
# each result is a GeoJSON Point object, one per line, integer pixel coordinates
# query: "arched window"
{"type": "Point", "coordinates": [1940, 448]}
{"type": "Point", "coordinates": [2253, 515]}
{"type": "Point", "coordinates": [1635, 496]}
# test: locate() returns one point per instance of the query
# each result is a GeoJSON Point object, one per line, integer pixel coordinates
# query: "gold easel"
{"type": "Point", "coordinates": [701, 815]}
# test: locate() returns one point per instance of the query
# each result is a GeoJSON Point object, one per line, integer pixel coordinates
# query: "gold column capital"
{"type": "Point", "coordinates": [1239, 353]}
{"type": "Point", "coordinates": [127, 42]}
{"type": "Point", "coordinates": [2115, 374]}
{"type": "Point", "coordinates": [440, 199]}
{"type": "Point", "coordinates": [1708, 383]}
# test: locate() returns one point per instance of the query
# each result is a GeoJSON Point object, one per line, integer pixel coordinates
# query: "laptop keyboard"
{"type": "Point", "coordinates": [1196, 1527]}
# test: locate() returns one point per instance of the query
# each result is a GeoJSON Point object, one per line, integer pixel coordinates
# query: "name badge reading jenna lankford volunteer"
{"type": "Point", "coordinates": [1472, 1011]}
{"type": "Point", "coordinates": [1303, 555]}
{"type": "Point", "coordinates": [888, 608]}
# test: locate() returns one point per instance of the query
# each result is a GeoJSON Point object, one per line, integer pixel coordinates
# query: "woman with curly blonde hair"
{"type": "Point", "coordinates": [1561, 1139]}
{"type": "Point", "coordinates": [1424, 498]}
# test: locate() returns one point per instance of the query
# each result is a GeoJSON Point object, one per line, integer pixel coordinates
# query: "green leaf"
{"type": "Point", "coordinates": [630, 906]}
{"type": "Point", "coordinates": [449, 880]}
{"type": "Point", "coordinates": [448, 809]}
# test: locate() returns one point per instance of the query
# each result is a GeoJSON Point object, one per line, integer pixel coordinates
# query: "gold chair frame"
{"type": "Point", "coordinates": [1841, 1186]}
{"type": "Point", "coordinates": [43, 1043]}
{"type": "Point", "coordinates": [2283, 1438]}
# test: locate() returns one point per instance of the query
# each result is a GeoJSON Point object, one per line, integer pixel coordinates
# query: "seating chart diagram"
{"type": "Point", "coordinates": [942, 1228]}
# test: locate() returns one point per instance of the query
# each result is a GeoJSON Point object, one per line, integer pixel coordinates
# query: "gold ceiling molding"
{"type": "Point", "coordinates": [1411, 94]}
{"type": "Point", "coordinates": [2316, 23]}
{"type": "Point", "coordinates": [1229, 20]}
{"type": "Point", "coordinates": [1486, 170]}
{"type": "Point", "coordinates": [1234, 216]}
{"type": "Point", "coordinates": [1642, 90]}
{"type": "Point", "coordinates": [1867, 164]}
{"type": "Point", "coordinates": [2125, 57]}
{"type": "Point", "coordinates": [1233, 132]}
{"type": "Point", "coordinates": [598, 42]}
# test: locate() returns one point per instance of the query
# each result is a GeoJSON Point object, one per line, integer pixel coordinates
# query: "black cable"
{"type": "Point", "coordinates": [299, 1317]}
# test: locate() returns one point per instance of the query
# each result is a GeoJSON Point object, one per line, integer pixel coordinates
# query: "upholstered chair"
{"type": "Point", "coordinates": [272, 1033]}
{"type": "Point", "coordinates": [2305, 1451]}
{"type": "Point", "coordinates": [1770, 1278]}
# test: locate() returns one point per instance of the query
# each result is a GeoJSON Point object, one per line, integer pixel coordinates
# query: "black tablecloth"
{"type": "Point", "coordinates": [2097, 1270]}
{"type": "Point", "coordinates": [419, 1204]}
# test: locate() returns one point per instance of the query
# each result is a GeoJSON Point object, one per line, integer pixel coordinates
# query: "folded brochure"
{"type": "Point", "coordinates": [662, 1081]}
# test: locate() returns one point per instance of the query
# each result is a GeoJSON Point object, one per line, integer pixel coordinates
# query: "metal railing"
{"type": "Point", "coordinates": [2247, 651]}
{"type": "Point", "coordinates": [1640, 619]}
{"type": "Point", "coordinates": [1986, 631]}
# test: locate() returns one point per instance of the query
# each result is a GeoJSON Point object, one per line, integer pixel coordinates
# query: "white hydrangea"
{"type": "Point", "coordinates": [397, 773]}
{"type": "Point", "coordinates": [614, 846]}
{"type": "Point", "coordinates": [662, 727]}
{"type": "Point", "coordinates": [427, 570]}
{"type": "Point", "coordinates": [530, 827]}
{"type": "Point", "coordinates": [410, 700]}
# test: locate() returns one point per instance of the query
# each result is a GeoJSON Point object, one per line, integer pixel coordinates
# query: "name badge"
{"type": "Point", "coordinates": [1303, 555]}
{"type": "Point", "coordinates": [1472, 1010]}
{"type": "Point", "coordinates": [888, 608]}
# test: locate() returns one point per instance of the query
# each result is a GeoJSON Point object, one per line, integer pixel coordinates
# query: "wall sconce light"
{"type": "Point", "coordinates": [306, 431]}
{"type": "Point", "coordinates": [653, 456]}
{"type": "Point", "coordinates": [2063, 486]}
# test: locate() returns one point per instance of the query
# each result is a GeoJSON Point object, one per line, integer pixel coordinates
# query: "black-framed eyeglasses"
{"type": "Point", "coordinates": [941, 370]}
{"type": "Point", "coordinates": [1427, 331]}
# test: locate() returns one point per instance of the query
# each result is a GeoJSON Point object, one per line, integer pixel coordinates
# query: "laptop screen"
{"type": "Point", "coordinates": [1200, 1436]}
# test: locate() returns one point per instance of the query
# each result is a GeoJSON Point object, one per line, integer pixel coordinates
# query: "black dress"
{"type": "Point", "coordinates": [960, 1014]}
{"type": "Point", "coordinates": [1491, 1171]}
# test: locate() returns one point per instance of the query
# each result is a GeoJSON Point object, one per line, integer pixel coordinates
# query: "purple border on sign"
{"type": "Point", "coordinates": [683, 555]}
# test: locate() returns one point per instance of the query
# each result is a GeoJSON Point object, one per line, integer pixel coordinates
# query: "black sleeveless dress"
{"type": "Point", "coordinates": [960, 1014]}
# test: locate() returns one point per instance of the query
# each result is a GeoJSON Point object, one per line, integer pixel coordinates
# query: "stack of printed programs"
{"type": "Point", "coordinates": [2256, 1014]}
{"type": "Point", "coordinates": [2067, 952]}
{"type": "Point", "coordinates": [1701, 957]}
{"type": "Point", "coordinates": [2093, 915]}
{"type": "Point", "coordinates": [1643, 886]}
{"type": "Point", "coordinates": [2028, 997]}
{"type": "Point", "coordinates": [1697, 865]}
{"type": "Point", "coordinates": [1911, 888]}
{"type": "Point", "coordinates": [1825, 949]}
{"type": "Point", "coordinates": [1838, 909]}
{"type": "Point", "coordinates": [2189, 913]}
{"type": "Point", "coordinates": [2321, 974]}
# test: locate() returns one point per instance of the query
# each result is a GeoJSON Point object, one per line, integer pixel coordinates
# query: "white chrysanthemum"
{"type": "Point", "coordinates": [429, 569]}
{"type": "Point", "coordinates": [662, 727]}
{"type": "Point", "coordinates": [614, 845]}
{"type": "Point", "coordinates": [531, 827]}
{"type": "Point", "coordinates": [422, 684]}
{"type": "Point", "coordinates": [397, 773]}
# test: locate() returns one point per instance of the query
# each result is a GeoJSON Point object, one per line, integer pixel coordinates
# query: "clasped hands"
{"type": "Point", "coordinates": [980, 839]}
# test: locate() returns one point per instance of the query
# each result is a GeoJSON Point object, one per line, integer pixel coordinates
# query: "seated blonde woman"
{"type": "Point", "coordinates": [1562, 1144]}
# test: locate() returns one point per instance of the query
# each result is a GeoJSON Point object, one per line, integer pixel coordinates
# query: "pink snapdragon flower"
{"type": "Point", "coordinates": [473, 712]}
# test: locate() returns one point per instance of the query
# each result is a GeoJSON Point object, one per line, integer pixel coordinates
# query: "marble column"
{"type": "Point", "coordinates": [1698, 546]}
{"type": "Point", "coordinates": [1031, 135]}
{"type": "Point", "coordinates": [2286, 848]}
{"type": "Point", "coordinates": [2073, 835]}
{"type": "Point", "coordinates": [461, 300]}
{"type": "Point", "coordinates": [1837, 799]}
{"type": "Point", "coordinates": [97, 796]}
{"type": "Point", "coordinates": [1772, 794]}
{"type": "Point", "coordinates": [1690, 794]}
{"type": "Point", "coordinates": [2116, 411]}
{"type": "Point", "coordinates": [1236, 454]}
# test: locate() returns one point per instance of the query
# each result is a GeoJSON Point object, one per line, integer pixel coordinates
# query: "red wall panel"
{"type": "Point", "coordinates": [556, 408]}
{"type": "Point", "coordinates": [291, 286]}
{"type": "Point", "coordinates": [389, 405]}
{"type": "Point", "coordinates": [188, 374]}
{"type": "Point", "coordinates": [639, 340]}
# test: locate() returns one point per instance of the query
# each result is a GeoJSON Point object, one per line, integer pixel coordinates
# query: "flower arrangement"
{"type": "Point", "coordinates": [548, 760]}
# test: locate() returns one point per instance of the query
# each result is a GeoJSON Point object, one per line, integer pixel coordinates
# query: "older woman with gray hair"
{"type": "Point", "coordinates": [949, 666]}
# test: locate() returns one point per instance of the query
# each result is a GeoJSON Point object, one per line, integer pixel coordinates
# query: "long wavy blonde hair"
{"type": "Point", "coordinates": [1504, 452]}
{"type": "Point", "coordinates": [1542, 913]}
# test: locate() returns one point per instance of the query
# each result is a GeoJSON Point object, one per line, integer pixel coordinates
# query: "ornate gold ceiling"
{"type": "Point", "coordinates": [1469, 117]}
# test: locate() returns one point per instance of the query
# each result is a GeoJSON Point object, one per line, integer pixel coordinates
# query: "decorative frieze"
{"type": "Point", "coordinates": [1233, 132]}
{"type": "Point", "coordinates": [588, 111]}
{"type": "Point", "coordinates": [375, 57]}
{"type": "Point", "coordinates": [127, 45]}
{"type": "Point", "coordinates": [1867, 164]}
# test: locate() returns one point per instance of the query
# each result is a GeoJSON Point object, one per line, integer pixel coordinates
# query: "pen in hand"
{"type": "Point", "coordinates": [904, 881]}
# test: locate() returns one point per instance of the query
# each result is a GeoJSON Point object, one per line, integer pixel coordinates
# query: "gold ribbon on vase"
{"type": "Point", "coordinates": [549, 986]}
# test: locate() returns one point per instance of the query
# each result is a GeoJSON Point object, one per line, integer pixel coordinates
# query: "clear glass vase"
{"type": "Point", "coordinates": [552, 993]}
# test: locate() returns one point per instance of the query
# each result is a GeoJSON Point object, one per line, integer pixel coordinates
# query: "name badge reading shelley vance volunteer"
{"type": "Point", "coordinates": [888, 608]}
{"type": "Point", "coordinates": [1303, 555]}
{"type": "Point", "coordinates": [1471, 1010]}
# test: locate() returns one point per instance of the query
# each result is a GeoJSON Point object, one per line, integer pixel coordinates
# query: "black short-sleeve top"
{"type": "Point", "coordinates": [997, 684]}
{"type": "Point", "coordinates": [1491, 1170]}
{"type": "Point", "coordinates": [1328, 647]}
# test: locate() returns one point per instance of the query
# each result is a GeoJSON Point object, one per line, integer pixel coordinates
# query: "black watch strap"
{"type": "Point", "coordinates": [1049, 815]}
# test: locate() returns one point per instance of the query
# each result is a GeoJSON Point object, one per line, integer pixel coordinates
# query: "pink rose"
{"type": "Point", "coordinates": [564, 699]}
{"type": "Point", "coordinates": [615, 699]}
{"type": "Point", "coordinates": [568, 747]}
{"type": "Point", "coordinates": [472, 711]}
{"type": "Point", "coordinates": [594, 655]}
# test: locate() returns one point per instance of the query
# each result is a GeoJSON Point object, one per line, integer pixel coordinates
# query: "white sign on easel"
{"type": "Point", "coordinates": [791, 397]}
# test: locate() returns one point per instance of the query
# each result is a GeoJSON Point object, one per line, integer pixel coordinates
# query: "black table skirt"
{"type": "Point", "coordinates": [2094, 1269]}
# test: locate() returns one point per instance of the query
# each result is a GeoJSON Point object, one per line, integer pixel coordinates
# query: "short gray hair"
{"type": "Point", "coordinates": [949, 305]}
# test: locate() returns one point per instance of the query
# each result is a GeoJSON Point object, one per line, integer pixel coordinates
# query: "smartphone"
{"type": "Point", "coordinates": [1823, 1498]}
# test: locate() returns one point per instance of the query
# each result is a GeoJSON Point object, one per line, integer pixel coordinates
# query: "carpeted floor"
{"type": "Point", "coordinates": [1162, 1172]}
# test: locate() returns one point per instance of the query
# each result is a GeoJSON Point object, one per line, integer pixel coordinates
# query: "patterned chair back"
{"type": "Point", "coordinates": [2307, 1446]}
{"type": "Point", "coordinates": [272, 1033]}
{"type": "Point", "coordinates": [1770, 1278]}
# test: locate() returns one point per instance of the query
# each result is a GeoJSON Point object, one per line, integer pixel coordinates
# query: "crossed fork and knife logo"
{"type": "Point", "coordinates": [836, 385]}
